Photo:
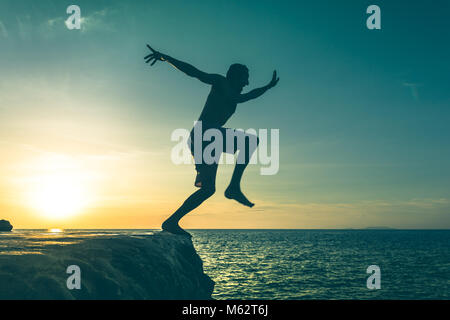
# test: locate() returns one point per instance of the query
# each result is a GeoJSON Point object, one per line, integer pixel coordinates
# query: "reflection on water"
{"type": "Point", "coordinates": [18, 253]}
{"type": "Point", "coordinates": [55, 230]}
{"type": "Point", "coordinates": [20, 242]}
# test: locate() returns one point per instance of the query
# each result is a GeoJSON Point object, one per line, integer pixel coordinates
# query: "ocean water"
{"type": "Point", "coordinates": [295, 264]}
{"type": "Point", "coordinates": [325, 264]}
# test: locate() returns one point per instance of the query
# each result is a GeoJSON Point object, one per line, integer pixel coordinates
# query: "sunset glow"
{"type": "Point", "coordinates": [86, 124]}
{"type": "Point", "coordinates": [58, 189]}
{"type": "Point", "coordinates": [59, 196]}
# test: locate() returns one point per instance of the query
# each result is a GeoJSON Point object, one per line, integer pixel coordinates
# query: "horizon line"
{"type": "Point", "coordinates": [194, 229]}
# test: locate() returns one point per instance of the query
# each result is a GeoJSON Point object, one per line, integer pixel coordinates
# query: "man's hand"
{"type": "Point", "coordinates": [155, 56]}
{"type": "Point", "coordinates": [274, 80]}
{"type": "Point", "coordinates": [255, 93]}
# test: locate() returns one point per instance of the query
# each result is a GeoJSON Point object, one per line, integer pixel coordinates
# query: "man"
{"type": "Point", "coordinates": [219, 107]}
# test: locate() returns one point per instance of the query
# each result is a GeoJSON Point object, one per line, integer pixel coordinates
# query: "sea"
{"type": "Point", "coordinates": [297, 264]}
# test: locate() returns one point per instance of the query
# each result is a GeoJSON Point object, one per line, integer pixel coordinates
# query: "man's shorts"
{"type": "Point", "coordinates": [206, 172]}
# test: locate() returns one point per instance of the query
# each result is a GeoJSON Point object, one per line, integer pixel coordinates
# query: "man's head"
{"type": "Point", "coordinates": [237, 74]}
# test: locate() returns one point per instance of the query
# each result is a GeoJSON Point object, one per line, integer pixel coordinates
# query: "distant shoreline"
{"type": "Point", "coordinates": [246, 229]}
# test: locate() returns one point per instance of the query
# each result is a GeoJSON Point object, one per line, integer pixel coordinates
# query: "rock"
{"type": "Point", "coordinates": [5, 225]}
{"type": "Point", "coordinates": [159, 266]}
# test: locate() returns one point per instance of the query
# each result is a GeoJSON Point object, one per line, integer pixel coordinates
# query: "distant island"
{"type": "Point", "coordinates": [5, 225]}
{"type": "Point", "coordinates": [380, 228]}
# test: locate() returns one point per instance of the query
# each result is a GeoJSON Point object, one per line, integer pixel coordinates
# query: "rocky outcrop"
{"type": "Point", "coordinates": [5, 225]}
{"type": "Point", "coordinates": [158, 266]}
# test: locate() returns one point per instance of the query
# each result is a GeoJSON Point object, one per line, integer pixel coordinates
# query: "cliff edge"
{"type": "Point", "coordinates": [154, 266]}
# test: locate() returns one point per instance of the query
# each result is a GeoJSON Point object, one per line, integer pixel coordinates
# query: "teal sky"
{"type": "Point", "coordinates": [363, 114]}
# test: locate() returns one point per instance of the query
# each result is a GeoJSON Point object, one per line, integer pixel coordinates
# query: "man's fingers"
{"type": "Point", "coordinates": [153, 56]}
{"type": "Point", "coordinates": [149, 60]}
{"type": "Point", "coordinates": [153, 62]}
{"type": "Point", "coordinates": [274, 76]}
{"type": "Point", "coordinates": [150, 48]}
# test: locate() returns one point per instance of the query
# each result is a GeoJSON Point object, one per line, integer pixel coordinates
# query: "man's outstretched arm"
{"type": "Point", "coordinates": [188, 69]}
{"type": "Point", "coordinates": [255, 93]}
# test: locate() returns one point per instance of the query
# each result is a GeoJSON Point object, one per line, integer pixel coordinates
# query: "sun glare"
{"type": "Point", "coordinates": [59, 196]}
{"type": "Point", "coordinates": [59, 193]}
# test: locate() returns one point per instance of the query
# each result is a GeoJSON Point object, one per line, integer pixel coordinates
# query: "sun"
{"type": "Point", "coordinates": [59, 196]}
{"type": "Point", "coordinates": [58, 192]}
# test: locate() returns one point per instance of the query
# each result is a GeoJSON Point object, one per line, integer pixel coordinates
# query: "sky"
{"type": "Point", "coordinates": [363, 114]}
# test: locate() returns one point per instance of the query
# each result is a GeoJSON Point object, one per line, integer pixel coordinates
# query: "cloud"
{"type": "Point", "coordinates": [413, 87]}
{"type": "Point", "coordinates": [3, 31]}
{"type": "Point", "coordinates": [410, 213]}
{"type": "Point", "coordinates": [98, 21]}
{"type": "Point", "coordinates": [362, 206]}
{"type": "Point", "coordinates": [94, 21]}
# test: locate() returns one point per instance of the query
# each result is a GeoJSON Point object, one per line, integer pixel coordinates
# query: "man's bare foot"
{"type": "Point", "coordinates": [174, 228]}
{"type": "Point", "coordinates": [236, 194]}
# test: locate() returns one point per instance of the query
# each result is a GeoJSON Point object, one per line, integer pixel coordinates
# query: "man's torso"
{"type": "Point", "coordinates": [219, 107]}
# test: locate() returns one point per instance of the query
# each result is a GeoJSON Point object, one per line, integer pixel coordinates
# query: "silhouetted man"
{"type": "Point", "coordinates": [219, 107]}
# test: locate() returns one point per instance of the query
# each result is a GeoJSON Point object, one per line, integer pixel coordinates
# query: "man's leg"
{"type": "Point", "coordinates": [234, 189]}
{"type": "Point", "coordinates": [207, 190]}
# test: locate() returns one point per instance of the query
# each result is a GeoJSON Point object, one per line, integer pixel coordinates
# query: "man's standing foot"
{"type": "Point", "coordinates": [173, 227]}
